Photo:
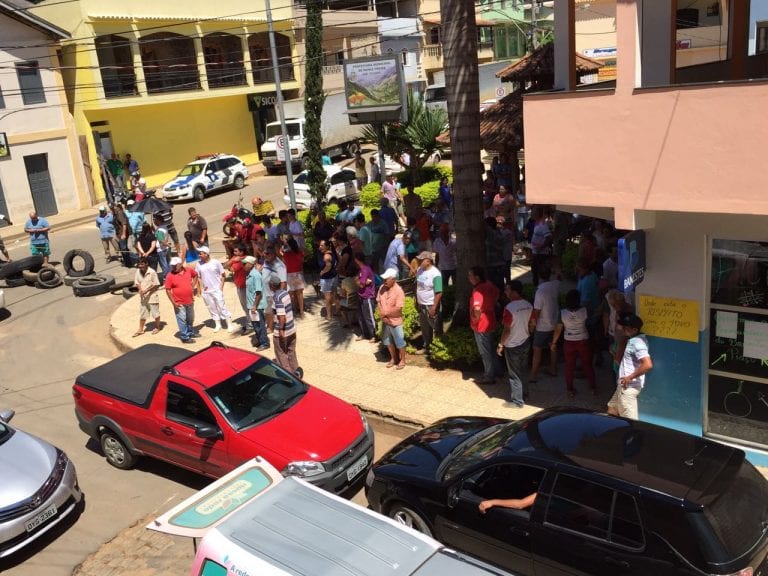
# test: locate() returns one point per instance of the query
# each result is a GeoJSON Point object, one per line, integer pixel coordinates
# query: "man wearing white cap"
{"type": "Point", "coordinates": [180, 285]}
{"type": "Point", "coordinates": [212, 278]}
{"type": "Point", "coordinates": [390, 300]}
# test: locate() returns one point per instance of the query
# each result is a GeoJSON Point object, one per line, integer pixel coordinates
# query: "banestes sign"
{"type": "Point", "coordinates": [631, 260]}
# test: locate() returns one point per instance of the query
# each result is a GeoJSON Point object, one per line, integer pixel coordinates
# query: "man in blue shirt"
{"type": "Point", "coordinates": [256, 302]}
{"type": "Point", "coordinates": [37, 227]}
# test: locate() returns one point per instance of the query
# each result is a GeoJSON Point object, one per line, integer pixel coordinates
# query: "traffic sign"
{"type": "Point", "coordinates": [281, 145]}
{"type": "Point", "coordinates": [500, 92]}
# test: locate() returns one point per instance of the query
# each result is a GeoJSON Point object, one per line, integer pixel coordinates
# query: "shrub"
{"type": "Point", "coordinates": [427, 174]}
{"type": "Point", "coordinates": [428, 192]}
{"type": "Point", "coordinates": [370, 195]}
{"type": "Point", "coordinates": [568, 261]}
{"type": "Point", "coordinates": [457, 346]}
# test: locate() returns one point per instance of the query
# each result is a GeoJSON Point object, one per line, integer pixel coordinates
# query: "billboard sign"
{"type": "Point", "coordinates": [374, 89]}
{"type": "Point", "coordinates": [631, 260]}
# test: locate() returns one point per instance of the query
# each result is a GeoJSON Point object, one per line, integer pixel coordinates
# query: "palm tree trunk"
{"type": "Point", "coordinates": [461, 82]}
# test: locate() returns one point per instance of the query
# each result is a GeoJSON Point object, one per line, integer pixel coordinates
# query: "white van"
{"type": "Point", "coordinates": [254, 521]}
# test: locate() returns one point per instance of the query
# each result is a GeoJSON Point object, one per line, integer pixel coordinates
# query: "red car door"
{"type": "Point", "coordinates": [179, 411]}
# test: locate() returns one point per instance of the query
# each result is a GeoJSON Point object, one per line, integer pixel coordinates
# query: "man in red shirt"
{"type": "Point", "coordinates": [180, 286]}
{"type": "Point", "coordinates": [482, 320]}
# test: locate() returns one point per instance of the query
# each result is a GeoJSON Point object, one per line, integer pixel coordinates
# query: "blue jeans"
{"type": "Point", "coordinates": [259, 337]}
{"type": "Point", "coordinates": [487, 350]}
{"type": "Point", "coordinates": [185, 318]}
{"type": "Point", "coordinates": [162, 259]}
{"type": "Point", "coordinates": [517, 369]}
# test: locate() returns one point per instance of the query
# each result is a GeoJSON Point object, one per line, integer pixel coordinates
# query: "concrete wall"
{"type": "Point", "coordinates": [44, 128]}
{"type": "Point", "coordinates": [678, 266]}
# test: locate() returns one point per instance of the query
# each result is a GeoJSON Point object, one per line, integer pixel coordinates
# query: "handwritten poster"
{"type": "Point", "coordinates": [755, 340]}
{"type": "Point", "coordinates": [727, 325]}
{"type": "Point", "coordinates": [669, 317]}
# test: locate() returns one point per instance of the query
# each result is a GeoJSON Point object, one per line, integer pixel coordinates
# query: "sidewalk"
{"type": "Point", "coordinates": [356, 370]}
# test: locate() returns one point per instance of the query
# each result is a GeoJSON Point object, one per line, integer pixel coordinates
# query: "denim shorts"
{"type": "Point", "coordinates": [393, 333]}
{"type": "Point", "coordinates": [328, 284]}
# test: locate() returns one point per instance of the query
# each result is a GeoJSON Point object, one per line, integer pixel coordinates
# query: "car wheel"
{"type": "Point", "coordinates": [271, 171]}
{"type": "Point", "coordinates": [409, 517]}
{"type": "Point", "coordinates": [115, 451]}
{"type": "Point", "coordinates": [199, 194]}
{"type": "Point", "coordinates": [68, 263]}
{"type": "Point", "coordinates": [239, 181]}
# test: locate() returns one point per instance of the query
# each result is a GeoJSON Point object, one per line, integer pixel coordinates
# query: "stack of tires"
{"type": "Point", "coordinates": [79, 266]}
{"type": "Point", "coordinates": [30, 270]}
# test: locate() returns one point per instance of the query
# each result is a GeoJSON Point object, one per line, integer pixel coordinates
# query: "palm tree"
{"type": "Point", "coordinates": [463, 94]}
{"type": "Point", "coordinates": [417, 136]}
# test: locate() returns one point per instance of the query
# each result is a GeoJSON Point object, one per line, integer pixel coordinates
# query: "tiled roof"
{"type": "Point", "coordinates": [541, 63]}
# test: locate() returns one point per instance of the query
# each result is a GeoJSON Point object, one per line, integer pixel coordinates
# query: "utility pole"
{"type": "Point", "coordinates": [281, 107]}
{"type": "Point", "coordinates": [534, 40]}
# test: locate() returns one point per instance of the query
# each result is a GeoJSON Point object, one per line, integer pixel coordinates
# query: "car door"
{"type": "Point", "coordinates": [227, 175]}
{"type": "Point", "coordinates": [500, 535]}
{"type": "Point", "coordinates": [590, 529]}
{"type": "Point", "coordinates": [183, 412]}
{"type": "Point", "coordinates": [212, 175]}
{"type": "Point", "coordinates": [350, 184]}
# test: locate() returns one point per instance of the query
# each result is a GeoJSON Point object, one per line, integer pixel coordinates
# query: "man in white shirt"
{"type": "Point", "coordinates": [515, 342]}
{"type": "Point", "coordinates": [445, 250]}
{"type": "Point", "coordinates": [429, 293]}
{"type": "Point", "coordinates": [544, 317]}
{"type": "Point", "coordinates": [211, 274]}
{"type": "Point", "coordinates": [634, 363]}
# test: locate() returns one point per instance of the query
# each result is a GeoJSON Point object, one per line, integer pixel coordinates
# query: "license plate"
{"type": "Point", "coordinates": [357, 467]}
{"type": "Point", "coordinates": [46, 514]}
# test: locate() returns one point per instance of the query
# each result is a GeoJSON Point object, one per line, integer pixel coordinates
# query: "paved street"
{"type": "Point", "coordinates": [49, 337]}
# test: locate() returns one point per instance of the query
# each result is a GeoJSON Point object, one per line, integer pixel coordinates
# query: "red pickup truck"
{"type": "Point", "coordinates": [210, 411]}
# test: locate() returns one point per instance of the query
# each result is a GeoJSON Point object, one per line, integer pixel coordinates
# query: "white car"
{"type": "Point", "coordinates": [342, 184]}
{"type": "Point", "coordinates": [205, 175]}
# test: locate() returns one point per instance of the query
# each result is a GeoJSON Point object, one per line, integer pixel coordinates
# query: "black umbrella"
{"type": "Point", "coordinates": [151, 205]}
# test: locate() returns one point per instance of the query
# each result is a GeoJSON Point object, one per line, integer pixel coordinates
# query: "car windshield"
{"type": "Point", "coordinates": [191, 170]}
{"type": "Point", "coordinates": [5, 432]}
{"type": "Point", "coordinates": [482, 446]}
{"type": "Point", "coordinates": [259, 392]}
{"type": "Point", "coordinates": [294, 131]}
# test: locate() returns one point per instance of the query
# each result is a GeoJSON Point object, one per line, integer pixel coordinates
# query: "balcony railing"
{"type": "Point", "coordinates": [432, 56]}
{"type": "Point", "coordinates": [119, 84]}
{"type": "Point", "coordinates": [263, 73]}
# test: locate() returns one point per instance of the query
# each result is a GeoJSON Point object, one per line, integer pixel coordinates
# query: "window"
{"type": "Point", "coordinates": [761, 37]}
{"type": "Point", "coordinates": [186, 407]}
{"type": "Point", "coordinates": [2, 102]}
{"type": "Point", "coordinates": [211, 568]}
{"type": "Point", "coordinates": [30, 82]}
{"type": "Point", "coordinates": [505, 481]}
{"type": "Point", "coordinates": [580, 506]}
{"type": "Point", "coordinates": [434, 35]}
{"type": "Point", "coordinates": [625, 527]}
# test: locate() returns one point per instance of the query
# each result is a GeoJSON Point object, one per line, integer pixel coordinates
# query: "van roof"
{"type": "Point", "coordinates": [303, 530]}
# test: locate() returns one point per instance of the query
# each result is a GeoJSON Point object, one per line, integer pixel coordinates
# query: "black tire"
{"type": "Point", "coordinates": [239, 181]}
{"type": "Point", "coordinates": [129, 292]}
{"type": "Point", "coordinates": [120, 285]}
{"type": "Point", "coordinates": [16, 267]}
{"type": "Point", "coordinates": [271, 171]}
{"type": "Point", "coordinates": [228, 229]}
{"type": "Point", "coordinates": [68, 261]}
{"type": "Point", "coordinates": [29, 277]}
{"type": "Point", "coordinates": [70, 280]}
{"type": "Point", "coordinates": [15, 281]}
{"type": "Point", "coordinates": [407, 516]}
{"type": "Point", "coordinates": [198, 194]}
{"type": "Point", "coordinates": [48, 278]}
{"type": "Point", "coordinates": [93, 285]}
{"type": "Point", "coordinates": [115, 451]}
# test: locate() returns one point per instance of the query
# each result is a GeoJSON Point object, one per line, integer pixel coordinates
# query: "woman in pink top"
{"type": "Point", "coordinates": [294, 268]}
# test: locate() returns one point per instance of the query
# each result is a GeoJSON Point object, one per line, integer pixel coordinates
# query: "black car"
{"type": "Point", "coordinates": [613, 496]}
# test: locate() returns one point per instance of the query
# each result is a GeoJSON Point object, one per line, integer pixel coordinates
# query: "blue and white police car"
{"type": "Point", "coordinates": [204, 175]}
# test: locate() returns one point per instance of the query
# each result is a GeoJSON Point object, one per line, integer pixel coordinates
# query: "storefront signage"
{"type": "Point", "coordinates": [669, 317]}
{"type": "Point", "coordinates": [631, 260]}
{"type": "Point", "coordinates": [600, 52]}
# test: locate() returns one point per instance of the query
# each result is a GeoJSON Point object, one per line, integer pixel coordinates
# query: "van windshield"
{"type": "Point", "coordinates": [435, 94]}
{"type": "Point", "coordinates": [257, 393]}
{"type": "Point", "coordinates": [739, 515]}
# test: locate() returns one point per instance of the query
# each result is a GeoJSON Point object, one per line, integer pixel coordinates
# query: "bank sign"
{"type": "Point", "coordinates": [631, 260]}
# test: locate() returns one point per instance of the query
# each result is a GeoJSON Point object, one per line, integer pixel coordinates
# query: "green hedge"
{"type": "Point", "coordinates": [427, 174]}
{"type": "Point", "coordinates": [457, 346]}
{"type": "Point", "coordinates": [370, 195]}
{"type": "Point", "coordinates": [568, 261]}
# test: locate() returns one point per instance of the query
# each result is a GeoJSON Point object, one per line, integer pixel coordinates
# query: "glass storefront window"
{"type": "Point", "coordinates": [737, 391]}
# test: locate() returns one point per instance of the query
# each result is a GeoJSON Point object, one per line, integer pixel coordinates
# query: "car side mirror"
{"type": "Point", "coordinates": [6, 415]}
{"type": "Point", "coordinates": [208, 431]}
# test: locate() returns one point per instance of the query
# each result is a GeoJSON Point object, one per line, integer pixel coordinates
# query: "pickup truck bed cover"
{"type": "Point", "coordinates": [132, 376]}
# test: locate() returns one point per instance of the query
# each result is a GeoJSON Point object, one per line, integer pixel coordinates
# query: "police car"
{"type": "Point", "coordinates": [204, 175]}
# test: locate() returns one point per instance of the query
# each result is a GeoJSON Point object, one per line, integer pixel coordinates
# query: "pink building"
{"type": "Point", "coordinates": [677, 150]}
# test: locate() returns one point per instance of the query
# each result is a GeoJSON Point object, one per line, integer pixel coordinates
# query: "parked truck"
{"type": "Point", "coordinates": [491, 88]}
{"type": "Point", "coordinates": [339, 136]}
{"type": "Point", "coordinates": [212, 410]}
